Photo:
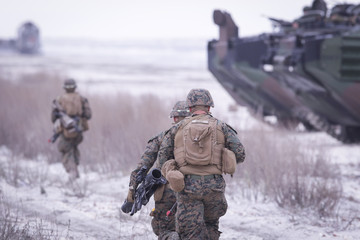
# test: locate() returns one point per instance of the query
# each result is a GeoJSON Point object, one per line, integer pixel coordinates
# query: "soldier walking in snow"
{"type": "Point", "coordinates": [163, 225]}
{"type": "Point", "coordinates": [202, 148]}
{"type": "Point", "coordinates": [70, 113]}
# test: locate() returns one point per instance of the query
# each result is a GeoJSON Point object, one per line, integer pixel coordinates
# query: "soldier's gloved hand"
{"type": "Point", "coordinates": [140, 176]}
{"type": "Point", "coordinates": [127, 206]}
{"type": "Point", "coordinates": [131, 194]}
{"type": "Point", "coordinates": [129, 201]}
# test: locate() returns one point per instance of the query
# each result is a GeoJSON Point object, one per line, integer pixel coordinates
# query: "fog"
{"type": "Point", "coordinates": [157, 19]}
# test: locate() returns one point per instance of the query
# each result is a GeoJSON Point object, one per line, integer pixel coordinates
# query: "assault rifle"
{"type": "Point", "coordinates": [66, 122]}
{"type": "Point", "coordinates": [143, 193]}
{"type": "Point", "coordinates": [54, 137]}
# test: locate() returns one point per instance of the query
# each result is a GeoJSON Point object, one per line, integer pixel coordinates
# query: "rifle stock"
{"type": "Point", "coordinates": [54, 137]}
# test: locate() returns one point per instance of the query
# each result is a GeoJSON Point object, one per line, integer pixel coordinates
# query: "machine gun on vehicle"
{"type": "Point", "coordinates": [148, 185]}
{"type": "Point", "coordinates": [306, 72]}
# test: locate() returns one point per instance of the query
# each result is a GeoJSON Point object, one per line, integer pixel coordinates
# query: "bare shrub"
{"type": "Point", "coordinates": [120, 129]}
{"type": "Point", "coordinates": [78, 188]}
{"type": "Point", "coordinates": [25, 122]}
{"type": "Point", "coordinates": [18, 173]}
{"type": "Point", "coordinates": [13, 228]}
{"type": "Point", "coordinates": [278, 167]}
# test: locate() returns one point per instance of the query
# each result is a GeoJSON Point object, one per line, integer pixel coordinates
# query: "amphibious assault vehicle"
{"type": "Point", "coordinates": [307, 71]}
{"type": "Point", "coordinates": [27, 40]}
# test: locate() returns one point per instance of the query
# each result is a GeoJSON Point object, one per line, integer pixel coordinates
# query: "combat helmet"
{"type": "Point", "coordinates": [69, 84]}
{"type": "Point", "coordinates": [199, 97]}
{"type": "Point", "coordinates": [180, 109]}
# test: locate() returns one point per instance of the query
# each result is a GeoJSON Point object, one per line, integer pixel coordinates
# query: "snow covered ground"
{"type": "Point", "coordinates": [90, 207]}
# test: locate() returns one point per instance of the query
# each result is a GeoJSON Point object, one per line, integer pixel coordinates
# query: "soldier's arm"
{"type": "Point", "coordinates": [148, 158]}
{"type": "Point", "coordinates": [54, 111]}
{"type": "Point", "coordinates": [232, 142]}
{"type": "Point", "coordinates": [86, 110]}
{"type": "Point", "coordinates": [166, 151]}
{"type": "Point", "coordinates": [53, 115]}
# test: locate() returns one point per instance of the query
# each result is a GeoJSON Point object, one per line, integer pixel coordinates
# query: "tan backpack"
{"type": "Point", "coordinates": [72, 105]}
{"type": "Point", "coordinates": [197, 143]}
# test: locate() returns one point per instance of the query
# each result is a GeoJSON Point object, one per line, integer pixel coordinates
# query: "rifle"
{"type": "Point", "coordinates": [280, 22]}
{"type": "Point", "coordinates": [54, 137]}
{"type": "Point", "coordinates": [66, 122]}
{"type": "Point", "coordinates": [143, 193]}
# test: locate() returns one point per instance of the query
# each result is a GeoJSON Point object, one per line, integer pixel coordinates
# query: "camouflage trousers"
{"type": "Point", "coordinates": [162, 226]}
{"type": "Point", "coordinates": [200, 205]}
{"type": "Point", "coordinates": [70, 153]}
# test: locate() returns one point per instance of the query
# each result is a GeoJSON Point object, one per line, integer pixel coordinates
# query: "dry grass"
{"type": "Point", "coordinates": [14, 227]}
{"type": "Point", "coordinates": [119, 129]}
{"type": "Point", "coordinates": [278, 168]}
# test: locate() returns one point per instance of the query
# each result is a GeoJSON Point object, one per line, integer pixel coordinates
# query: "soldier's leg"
{"type": "Point", "coordinates": [155, 225]}
{"type": "Point", "coordinates": [74, 156]}
{"type": "Point", "coordinates": [76, 142]}
{"type": "Point", "coordinates": [167, 229]}
{"type": "Point", "coordinates": [68, 147]}
{"type": "Point", "coordinates": [215, 205]}
{"type": "Point", "coordinates": [65, 147]}
{"type": "Point", "coordinates": [190, 211]}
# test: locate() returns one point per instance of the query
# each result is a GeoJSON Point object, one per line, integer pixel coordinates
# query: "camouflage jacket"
{"type": "Point", "coordinates": [149, 156]}
{"type": "Point", "coordinates": [232, 142]}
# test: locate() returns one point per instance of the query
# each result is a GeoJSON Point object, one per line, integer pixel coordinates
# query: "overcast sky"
{"type": "Point", "coordinates": [134, 19]}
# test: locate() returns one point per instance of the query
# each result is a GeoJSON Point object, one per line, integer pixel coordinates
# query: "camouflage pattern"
{"type": "Point", "coordinates": [180, 109]}
{"type": "Point", "coordinates": [200, 205]}
{"type": "Point", "coordinates": [86, 110]}
{"type": "Point", "coordinates": [68, 147]}
{"type": "Point", "coordinates": [315, 83]}
{"type": "Point", "coordinates": [70, 154]}
{"type": "Point", "coordinates": [162, 225]}
{"type": "Point", "coordinates": [164, 228]}
{"type": "Point", "coordinates": [202, 202]}
{"type": "Point", "coordinates": [199, 97]}
{"type": "Point", "coordinates": [232, 143]}
{"type": "Point", "coordinates": [69, 84]}
{"type": "Point", "coordinates": [149, 156]}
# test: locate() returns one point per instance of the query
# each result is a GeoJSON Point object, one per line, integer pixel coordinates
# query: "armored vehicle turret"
{"type": "Point", "coordinates": [307, 71]}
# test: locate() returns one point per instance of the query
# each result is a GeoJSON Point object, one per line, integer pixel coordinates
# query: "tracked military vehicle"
{"type": "Point", "coordinates": [307, 71]}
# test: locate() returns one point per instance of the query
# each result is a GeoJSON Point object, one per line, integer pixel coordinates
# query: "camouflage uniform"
{"type": "Point", "coordinates": [202, 202]}
{"type": "Point", "coordinates": [69, 146]}
{"type": "Point", "coordinates": [163, 227]}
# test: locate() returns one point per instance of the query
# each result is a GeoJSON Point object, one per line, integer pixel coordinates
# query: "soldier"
{"type": "Point", "coordinates": [163, 226]}
{"type": "Point", "coordinates": [199, 144]}
{"type": "Point", "coordinates": [76, 109]}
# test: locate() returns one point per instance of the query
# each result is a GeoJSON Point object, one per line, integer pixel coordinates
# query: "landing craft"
{"type": "Point", "coordinates": [307, 71]}
{"type": "Point", "coordinates": [26, 42]}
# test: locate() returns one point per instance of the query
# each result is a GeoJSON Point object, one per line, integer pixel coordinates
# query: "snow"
{"type": "Point", "coordinates": [90, 207]}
